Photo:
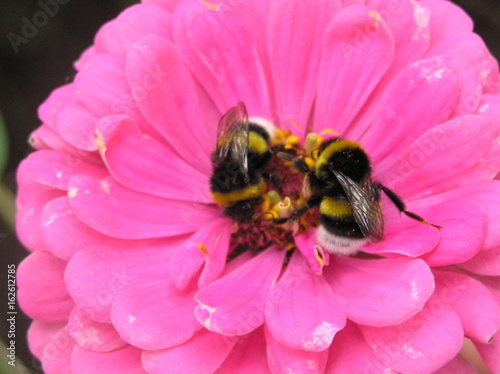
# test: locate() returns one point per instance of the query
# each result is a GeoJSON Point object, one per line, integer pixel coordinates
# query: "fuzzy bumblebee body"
{"type": "Point", "coordinates": [239, 160]}
{"type": "Point", "coordinates": [348, 199]}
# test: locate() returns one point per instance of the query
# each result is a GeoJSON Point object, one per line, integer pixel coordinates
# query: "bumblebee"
{"type": "Point", "coordinates": [348, 199]}
{"type": "Point", "coordinates": [239, 162]}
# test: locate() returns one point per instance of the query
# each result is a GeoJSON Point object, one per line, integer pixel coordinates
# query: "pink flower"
{"type": "Point", "coordinates": [129, 270]}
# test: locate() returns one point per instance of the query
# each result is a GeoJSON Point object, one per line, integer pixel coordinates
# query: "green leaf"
{"type": "Point", "coordinates": [4, 145]}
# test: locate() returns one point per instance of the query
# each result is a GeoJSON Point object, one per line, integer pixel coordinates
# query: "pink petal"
{"type": "Point", "coordinates": [472, 301]}
{"type": "Point", "coordinates": [61, 97]}
{"type": "Point", "coordinates": [447, 19]}
{"type": "Point", "coordinates": [284, 360]}
{"type": "Point", "coordinates": [42, 294]}
{"type": "Point", "coordinates": [56, 356]}
{"type": "Point", "coordinates": [350, 353]}
{"type": "Point", "coordinates": [404, 235]}
{"type": "Point", "coordinates": [123, 360]}
{"type": "Point", "coordinates": [163, 318]}
{"type": "Point", "coordinates": [87, 55]}
{"type": "Point", "coordinates": [168, 5]}
{"type": "Point", "coordinates": [458, 365]}
{"type": "Point", "coordinates": [462, 234]}
{"type": "Point", "coordinates": [55, 169]}
{"type": "Point", "coordinates": [248, 356]}
{"type": "Point", "coordinates": [422, 96]}
{"type": "Point", "coordinates": [350, 60]}
{"type": "Point", "coordinates": [409, 25]}
{"type": "Point", "coordinates": [40, 334]}
{"type": "Point", "coordinates": [65, 234]}
{"type": "Point", "coordinates": [229, 45]}
{"type": "Point", "coordinates": [189, 257]}
{"type": "Point", "coordinates": [490, 353]}
{"type": "Point", "coordinates": [46, 138]}
{"type": "Point", "coordinates": [123, 213]}
{"type": "Point", "coordinates": [116, 36]}
{"type": "Point", "coordinates": [164, 91]}
{"type": "Point", "coordinates": [295, 30]}
{"type": "Point", "coordinates": [426, 168]}
{"type": "Point", "coordinates": [76, 125]}
{"type": "Point", "coordinates": [380, 292]}
{"type": "Point", "coordinates": [204, 353]}
{"type": "Point", "coordinates": [421, 344]}
{"type": "Point", "coordinates": [141, 163]}
{"type": "Point", "coordinates": [486, 262]}
{"type": "Point", "coordinates": [302, 312]}
{"type": "Point", "coordinates": [28, 220]}
{"type": "Point", "coordinates": [94, 276]}
{"type": "Point", "coordinates": [234, 304]}
{"type": "Point", "coordinates": [315, 255]}
{"type": "Point", "coordinates": [92, 335]}
{"type": "Point", "coordinates": [475, 68]}
{"type": "Point", "coordinates": [486, 195]}
{"type": "Point", "coordinates": [490, 107]}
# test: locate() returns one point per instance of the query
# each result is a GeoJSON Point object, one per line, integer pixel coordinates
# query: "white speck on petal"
{"type": "Point", "coordinates": [414, 290]}
{"type": "Point", "coordinates": [72, 192]}
{"type": "Point", "coordinates": [432, 74]}
{"type": "Point", "coordinates": [59, 174]}
{"type": "Point", "coordinates": [131, 318]}
{"type": "Point", "coordinates": [321, 335]}
{"type": "Point", "coordinates": [411, 352]}
{"type": "Point", "coordinates": [207, 321]}
{"type": "Point", "coordinates": [105, 187]}
{"type": "Point", "coordinates": [51, 219]}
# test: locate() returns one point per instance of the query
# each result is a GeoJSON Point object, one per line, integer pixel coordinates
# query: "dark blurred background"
{"type": "Point", "coordinates": [45, 62]}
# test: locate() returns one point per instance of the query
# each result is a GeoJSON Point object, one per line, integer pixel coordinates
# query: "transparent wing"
{"type": "Point", "coordinates": [232, 137]}
{"type": "Point", "coordinates": [366, 208]}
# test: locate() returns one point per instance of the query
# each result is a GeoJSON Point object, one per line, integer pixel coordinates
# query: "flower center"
{"type": "Point", "coordinates": [285, 191]}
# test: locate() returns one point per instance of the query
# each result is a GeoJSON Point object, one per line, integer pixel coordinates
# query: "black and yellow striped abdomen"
{"type": "Point", "coordinates": [337, 218]}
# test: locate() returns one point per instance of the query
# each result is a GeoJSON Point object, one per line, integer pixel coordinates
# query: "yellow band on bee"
{"type": "Point", "coordinates": [226, 199]}
{"type": "Point", "coordinates": [332, 148]}
{"type": "Point", "coordinates": [335, 208]}
{"type": "Point", "coordinates": [257, 143]}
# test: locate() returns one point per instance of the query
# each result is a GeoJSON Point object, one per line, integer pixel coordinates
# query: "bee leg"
{"type": "Point", "coordinates": [313, 201]}
{"type": "Point", "coordinates": [401, 206]}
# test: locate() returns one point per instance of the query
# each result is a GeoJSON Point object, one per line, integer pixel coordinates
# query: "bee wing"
{"type": "Point", "coordinates": [366, 208]}
{"type": "Point", "coordinates": [232, 137]}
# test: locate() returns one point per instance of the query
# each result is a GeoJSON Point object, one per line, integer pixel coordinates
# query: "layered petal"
{"type": "Point", "coordinates": [235, 303]}
{"type": "Point", "coordinates": [420, 344]}
{"type": "Point", "coordinates": [116, 36]}
{"type": "Point", "coordinates": [204, 353]}
{"type": "Point", "coordinates": [94, 277]}
{"type": "Point", "coordinates": [301, 310]}
{"type": "Point", "coordinates": [120, 212]}
{"type": "Point", "coordinates": [282, 359]}
{"type": "Point", "coordinates": [393, 290]}
{"type": "Point", "coordinates": [209, 245]}
{"type": "Point", "coordinates": [92, 335]}
{"type": "Point", "coordinates": [141, 163]}
{"type": "Point", "coordinates": [357, 51]}
{"type": "Point", "coordinates": [295, 30]}
{"type": "Point", "coordinates": [164, 90]}
{"type": "Point", "coordinates": [43, 297]}
{"type": "Point", "coordinates": [123, 360]}
{"type": "Point", "coordinates": [477, 308]}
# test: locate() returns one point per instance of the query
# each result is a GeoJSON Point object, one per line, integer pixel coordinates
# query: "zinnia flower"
{"type": "Point", "coordinates": [134, 268]}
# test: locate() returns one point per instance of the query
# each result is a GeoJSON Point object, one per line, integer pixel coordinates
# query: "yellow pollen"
{"type": "Point", "coordinates": [330, 131]}
{"type": "Point", "coordinates": [210, 6]}
{"type": "Point", "coordinates": [203, 248]}
{"type": "Point", "coordinates": [376, 17]}
{"type": "Point", "coordinates": [294, 124]}
{"type": "Point", "coordinates": [99, 142]}
{"type": "Point", "coordinates": [292, 139]}
{"type": "Point", "coordinates": [318, 256]}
